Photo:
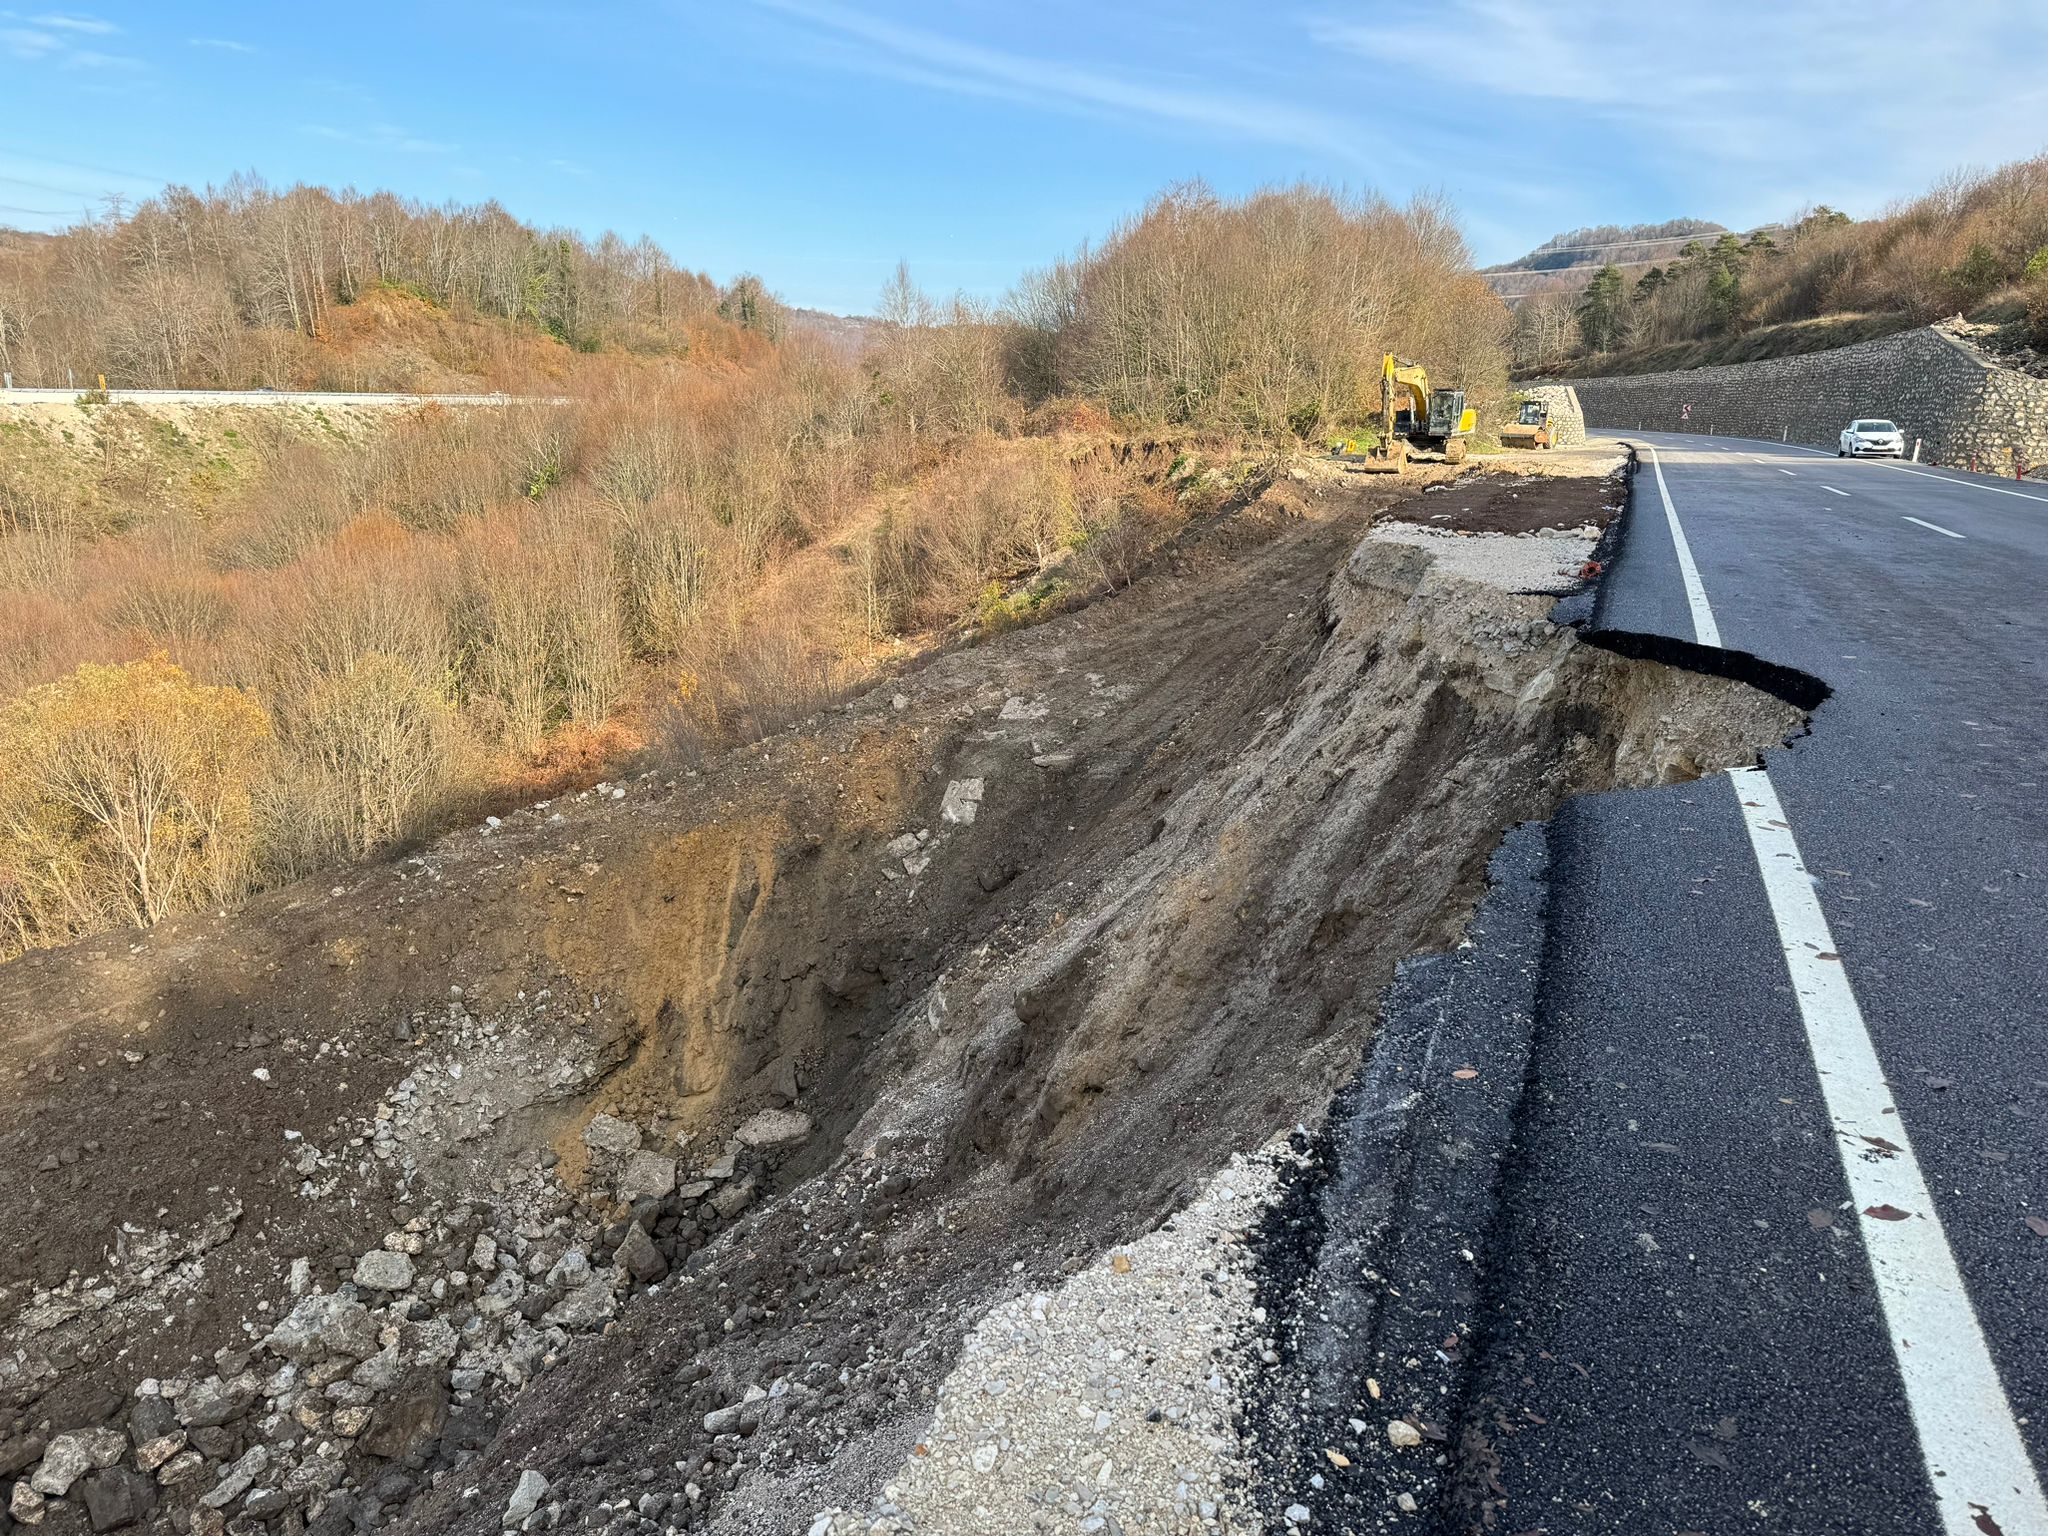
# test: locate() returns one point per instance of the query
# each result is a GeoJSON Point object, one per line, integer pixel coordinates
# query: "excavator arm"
{"type": "Point", "coordinates": [1407, 412]}
{"type": "Point", "coordinates": [1404, 387]}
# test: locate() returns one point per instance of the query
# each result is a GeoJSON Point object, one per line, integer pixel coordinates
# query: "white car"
{"type": "Point", "coordinates": [1872, 438]}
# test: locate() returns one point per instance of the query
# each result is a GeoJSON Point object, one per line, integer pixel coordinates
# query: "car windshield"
{"type": "Point", "coordinates": [1873, 426]}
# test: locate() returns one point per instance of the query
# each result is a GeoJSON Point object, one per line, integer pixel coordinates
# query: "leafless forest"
{"type": "Point", "coordinates": [234, 650]}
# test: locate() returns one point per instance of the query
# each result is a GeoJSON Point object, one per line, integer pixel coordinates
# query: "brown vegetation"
{"type": "Point", "coordinates": [244, 285]}
{"type": "Point", "coordinates": [127, 796]}
{"type": "Point", "coordinates": [1972, 239]}
{"type": "Point", "coordinates": [437, 613]}
{"type": "Point", "coordinates": [1265, 316]}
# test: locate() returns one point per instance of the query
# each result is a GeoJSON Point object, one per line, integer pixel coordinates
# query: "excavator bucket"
{"type": "Point", "coordinates": [1390, 462]}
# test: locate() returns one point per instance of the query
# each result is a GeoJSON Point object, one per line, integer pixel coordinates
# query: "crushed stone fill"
{"type": "Point", "coordinates": [1106, 1404]}
{"type": "Point", "coordinates": [1523, 562]}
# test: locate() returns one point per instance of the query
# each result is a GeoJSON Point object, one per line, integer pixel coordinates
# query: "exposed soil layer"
{"type": "Point", "coordinates": [1526, 492]}
{"type": "Point", "coordinates": [1032, 942]}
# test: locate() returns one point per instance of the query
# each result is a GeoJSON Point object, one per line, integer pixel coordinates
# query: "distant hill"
{"type": "Point", "coordinates": [1602, 243]}
{"type": "Point", "coordinates": [1567, 260]}
{"type": "Point", "coordinates": [848, 335]}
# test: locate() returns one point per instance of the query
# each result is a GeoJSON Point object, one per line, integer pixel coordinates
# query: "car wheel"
{"type": "Point", "coordinates": [1841, 453]}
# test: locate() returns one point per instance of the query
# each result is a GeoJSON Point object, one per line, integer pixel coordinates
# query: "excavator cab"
{"type": "Point", "coordinates": [1447, 413]}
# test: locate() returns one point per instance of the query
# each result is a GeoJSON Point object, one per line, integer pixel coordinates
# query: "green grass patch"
{"type": "Point", "coordinates": [996, 609]}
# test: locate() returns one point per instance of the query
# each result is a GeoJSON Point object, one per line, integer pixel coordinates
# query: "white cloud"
{"type": "Point", "coordinates": [23, 43]}
{"type": "Point", "coordinates": [66, 22]}
{"type": "Point", "coordinates": [1754, 108]}
{"type": "Point", "coordinates": [53, 38]}
{"type": "Point", "coordinates": [91, 58]}
{"type": "Point", "coordinates": [917, 56]}
{"type": "Point", "coordinates": [224, 44]}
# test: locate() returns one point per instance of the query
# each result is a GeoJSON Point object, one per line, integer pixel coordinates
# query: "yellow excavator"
{"type": "Point", "coordinates": [1415, 421]}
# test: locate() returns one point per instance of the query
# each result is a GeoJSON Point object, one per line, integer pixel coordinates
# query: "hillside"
{"type": "Point", "coordinates": [347, 631]}
{"type": "Point", "coordinates": [848, 335]}
{"type": "Point", "coordinates": [1786, 340]}
{"type": "Point", "coordinates": [1977, 245]}
{"type": "Point", "coordinates": [1564, 261]}
{"type": "Point", "coordinates": [246, 285]}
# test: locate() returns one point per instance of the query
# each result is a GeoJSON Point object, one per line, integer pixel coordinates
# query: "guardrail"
{"type": "Point", "coordinates": [266, 397]}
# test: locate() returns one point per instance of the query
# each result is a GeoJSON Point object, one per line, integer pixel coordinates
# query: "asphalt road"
{"type": "Point", "coordinates": [1765, 1262]}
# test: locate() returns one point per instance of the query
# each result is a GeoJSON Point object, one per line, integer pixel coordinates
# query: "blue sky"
{"type": "Point", "coordinates": [819, 141]}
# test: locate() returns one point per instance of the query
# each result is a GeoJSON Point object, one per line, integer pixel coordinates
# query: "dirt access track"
{"type": "Point", "coordinates": [641, 1162]}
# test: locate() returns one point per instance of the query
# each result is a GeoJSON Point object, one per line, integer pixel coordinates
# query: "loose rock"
{"type": "Point", "coordinates": [526, 1496]}
{"type": "Point", "coordinates": [382, 1270]}
{"type": "Point", "coordinates": [774, 1128]}
{"type": "Point", "coordinates": [647, 1176]}
{"type": "Point", "coordinates": [608, 1133]}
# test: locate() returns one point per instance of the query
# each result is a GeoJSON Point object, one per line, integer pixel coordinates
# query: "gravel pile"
{"type": "Point", "coordinates": [1519, 562]}
{"type": "Point", "coordinates": [381, 1368]}
{"type": "Point", "coordinates": [1107, 1405]}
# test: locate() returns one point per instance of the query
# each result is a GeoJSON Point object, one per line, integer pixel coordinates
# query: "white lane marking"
{"type": "Point", "coordinates": [1968, 485]}
{"type": "Point", "coordinates": [1924, 474]}
{"type": "Point", "coordinates": [1695, 594]}
{"type": "Point", "coordinates": [1935, 526]}
{"type": "Point", "coordinates": [1832, 491]}
{"type": "Point", "coordinates": [1976, 1461]}
{"type": "Point", "coordinates": [1793, 473]}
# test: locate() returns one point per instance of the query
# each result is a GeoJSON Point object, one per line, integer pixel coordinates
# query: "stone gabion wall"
{"type": "Point", "coordinates": [1567, 419]}
{"type": "Point", "coordinates": [1964, 410]}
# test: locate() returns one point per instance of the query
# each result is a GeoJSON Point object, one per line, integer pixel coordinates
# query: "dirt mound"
{"type": "Point", "coordinates": [664, 1141]}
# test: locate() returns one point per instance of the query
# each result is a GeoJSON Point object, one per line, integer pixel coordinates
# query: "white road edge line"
{"type": "Point", "coordinates": [1703, 624]}
{"type": "Point", "coordinates": [1976, 1461]}
{"type": "Point", "coordinates": [1905, 469]}
{"type": "Point", "coordinates": [1935, 526]}
{"type": "Point", "coordinates": [1832, 491]}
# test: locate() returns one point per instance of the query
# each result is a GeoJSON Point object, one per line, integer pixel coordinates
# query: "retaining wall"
{"type": "Point", "coordinates": [1964, 410]}
{"type": "Point", "coordinates": [1567, 417]}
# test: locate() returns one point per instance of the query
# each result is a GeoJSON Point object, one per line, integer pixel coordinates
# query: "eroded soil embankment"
{"type": "Point", "coordinates": [1034, 943]}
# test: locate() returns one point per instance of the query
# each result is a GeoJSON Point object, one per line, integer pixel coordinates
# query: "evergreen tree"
{"type": "Point", "coordinates": [1602, 308]}
{"type": "Point", "coordinates": [1724, 296]}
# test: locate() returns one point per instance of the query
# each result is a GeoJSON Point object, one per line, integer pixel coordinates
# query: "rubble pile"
{"type": "Point", "coordinates": [379, 1372]}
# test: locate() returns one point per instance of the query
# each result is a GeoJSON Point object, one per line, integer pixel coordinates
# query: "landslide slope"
{"type": "Point", "coordinates": [356, 1205]}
